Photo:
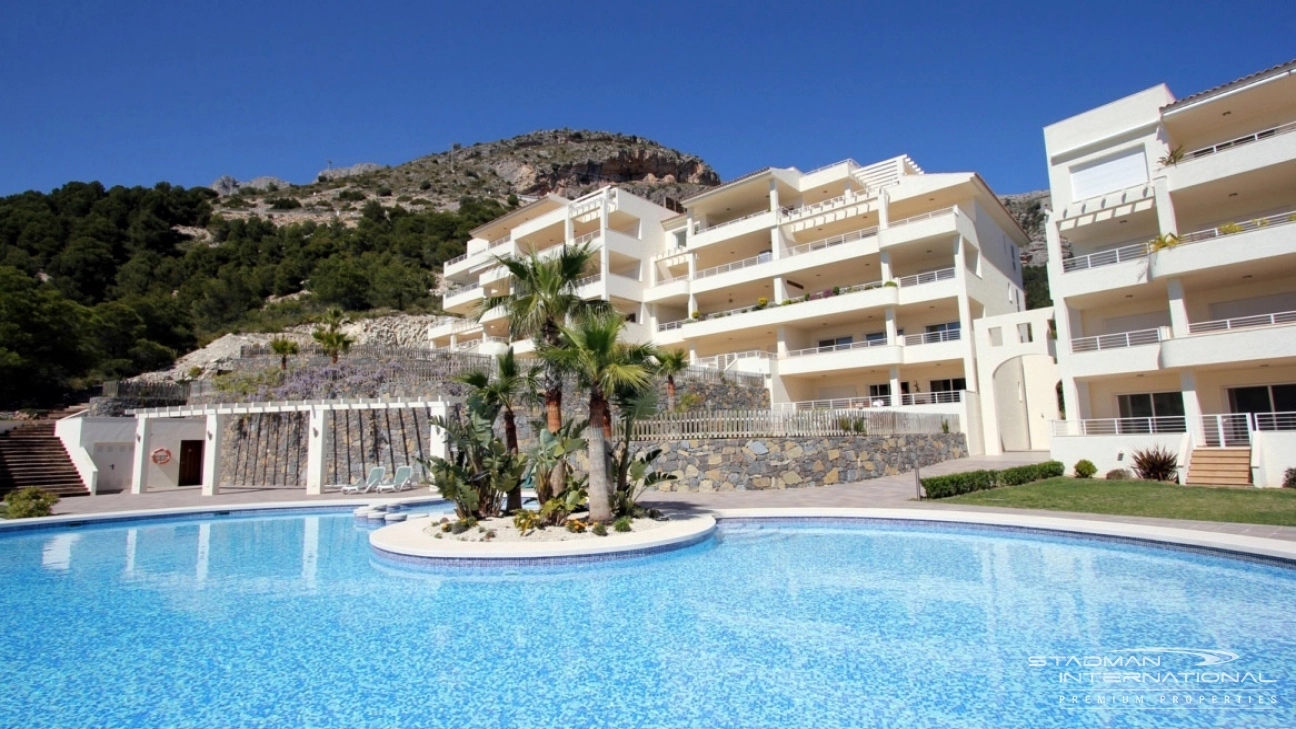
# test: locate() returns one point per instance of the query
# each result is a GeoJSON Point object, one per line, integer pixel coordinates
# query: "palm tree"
{"type": "Point", "coordinates": [543, 300]}
{"type": "Point", "coordinates": [330, 336]}
{"type": "Point", "coordinates": [603, 365]}
{"type": "Point", "coordinates": [503, 392]}
{"type": "Point", "coordinates": [283, 347]}
{"type": "Point", "coordinates": [671, 362]}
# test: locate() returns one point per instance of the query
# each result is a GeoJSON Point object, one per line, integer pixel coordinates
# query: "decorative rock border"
{"type": "Point", "coordinates": [407, 543]}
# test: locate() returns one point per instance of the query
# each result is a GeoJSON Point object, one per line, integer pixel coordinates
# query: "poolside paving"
{"type": "Point", "coordinates": [888, 492]}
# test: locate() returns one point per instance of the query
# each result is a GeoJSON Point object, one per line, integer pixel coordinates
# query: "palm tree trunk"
{"type": "Point", "coordinates": [670, 392]}
{"type": "Point", "coordinates": [511, 441]}
{"type": "Point", "coordinates": [283, 362]}
{"type": "Point", "coordinates": [600, 505]}
{"type": "Point", "coordinates": [334, 355]}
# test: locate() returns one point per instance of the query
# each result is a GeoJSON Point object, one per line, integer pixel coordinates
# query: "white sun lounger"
{"type": "Point", "coordinates": [375, 478]}
{"type": "Point", "coordinates": [401, 480]}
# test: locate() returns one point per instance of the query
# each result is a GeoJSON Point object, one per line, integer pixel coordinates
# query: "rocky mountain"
{"type": "Point", "coordinates": [1028, 209]}
{"type": "Point", "coordinates": [563, 162]}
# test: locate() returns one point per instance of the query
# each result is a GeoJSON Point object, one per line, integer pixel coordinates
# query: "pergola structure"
{"type": "Point", "coordinates": [320, 412]}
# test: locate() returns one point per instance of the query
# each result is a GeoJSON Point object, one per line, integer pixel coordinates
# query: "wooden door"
{"type": "Point", "coordinates": [191, 463]}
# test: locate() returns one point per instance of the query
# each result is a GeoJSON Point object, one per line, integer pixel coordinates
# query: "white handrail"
{"type": "Point", "coordinates": [823, 205]}
{"type": "Point", "coordinates": [1275, 421]}
{"type": "Point", "coordinates": [924, 216]}
{"type": "Point", "coordinates": [1223, 229]}
{"type": "Point", "coordinates": [1239, 141]}
{"type": "Point", "coordinates": [944, 274]}
{"type": "Point", "coordinates": [508, 237]}
{"type": "Point", "coordinates": [735, 266]}
{"type": "Point", "coordinates": [1106, 258]}
{"type": "Point", "coordinates": [587, 238]}
{"type": "Point", "coordinates": [851, 166]}
{"type": "Point", "coordinates": [940, 397]}
{"type": "Point", "coordinates": [1120, 426]}
{"type": "Point", "coordinates": [836, 240]}
{"type": "Point", "coordinates": [462, 289]}
{"type": "Point", "coordinates": [946, 335]}
{"type": "Point", "coordinates": [1121, 340]}
{"type": "Point", "coordinates": [456, 259]}
{"type": "Point", "coordinates": [669, 325]}
{"type": "Point", "coordinates": [589, 280]}
{"type": "Point", "coordinates": [1243, 322]}
{"type": "Point", "coordinates": [864, 344]}
{"type": "Point", "coordinates": [1224, 430]}
{"type": "Point", "coordinates": [756, 214]}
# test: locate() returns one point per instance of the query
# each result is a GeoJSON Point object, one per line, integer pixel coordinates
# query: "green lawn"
{"type": "Point", "coordinates": [1143, 498]}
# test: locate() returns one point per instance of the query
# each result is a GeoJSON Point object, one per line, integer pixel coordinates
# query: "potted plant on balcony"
{"type": "Point", "coordinates": [1173, 157]}
{"type": "Point", "coordinates": [892, 284]}
{"type": "Point", "coordinates": [1163, 241]}
{"type": "Point", "coordinates": [761, 303]}
{"type": "Point", "coordinates": [697, 315]}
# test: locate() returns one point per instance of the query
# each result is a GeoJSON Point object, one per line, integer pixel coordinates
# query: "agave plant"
{"type": "Point", "coordinates": [1156, 464]}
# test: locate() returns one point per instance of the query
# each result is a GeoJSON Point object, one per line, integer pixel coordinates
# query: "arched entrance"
{"type": "Point", "coordinates": [1025, 401]}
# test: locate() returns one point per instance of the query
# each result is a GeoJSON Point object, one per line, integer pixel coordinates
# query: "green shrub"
{"type": "Point", "coordinates": [353, 195]}
{"type": "Point", "coordinates": [599, 529]}
{"type": "Point", "coordinates": [424, 185]}
{"type": "Point", "coordinates": [940, 487]}
{"type": "Point", "coordinates": [28, 502]}
{"type": "Point", "coordinates": [1289, 478]}
{"type": "Point", "coordinates": [526, 521]}
{"type": "Point", "coordinates": [623, 524]}
{"type": "Point", "coordinates": [285, 203]}
{"type": "Point", "coordinates": [1156, 464]}
{"type": "Point", "coordinates": [384, 192]}
{"type": "Point", "coordinates": [1085, 468]}
{"type": "Point", "coordinates": [1117, 474]}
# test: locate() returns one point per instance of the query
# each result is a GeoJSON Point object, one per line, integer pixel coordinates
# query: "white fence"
{"type": "Point", "coordinates": [1120, 341]}
{"type": "Point", "coordinates": [790, 424]}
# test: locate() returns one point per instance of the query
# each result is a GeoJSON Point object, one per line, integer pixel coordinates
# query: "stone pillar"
{"type": "Point", "coordinates": [212, 454]}
{"type": "Point", "coordinates": [317, 445]}
{"type": "Point", "coordinates": [1178, 308]}
{"type": "Point", "coordinates": [139, 466]}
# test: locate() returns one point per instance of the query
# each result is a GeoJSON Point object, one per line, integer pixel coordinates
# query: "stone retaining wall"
{"type": "Point", "coordinates": [781, 463]}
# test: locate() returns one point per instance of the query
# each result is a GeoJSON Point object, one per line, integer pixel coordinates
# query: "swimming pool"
{"type": "Point", "coordinates": [289, 620]}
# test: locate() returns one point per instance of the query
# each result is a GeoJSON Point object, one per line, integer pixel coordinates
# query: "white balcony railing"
{"type": "Point", "coordinates": [1106, 258]}
{"type": "Point", "coordinates": [1275, 421]}
{"type": "Point", "coordinates": [699, 229]}
{"type": "Point", "coordinates": [802, 211]}
{"type": "Point", "coordinates": [924, 216]}
{"type": "Point", "coordinates": [836, 240]}
{"type": "Point", "coordinates": [587, 238]}
{"type": "Point", "coordinates": [669, 325]}
{"type": "Point", "coordinates": [500, 241]}
{"type": "Point", "coordinates": [580, 283]}
{"type": "Point", "coordinates": [1240, 141]}
{"type": "Point", "coordinates": [1120, 426]}
{"type": "Point", "coordinates": [948, 335]}
{"type": "Point", "coordinates": [735, 266]}
{"type": "Point", "coordinates": [723, 361]}
{"type": "Point", "coordinates": [1227, 430]}
{"type": "Point", "coordinates": [943, 397]}
{"type": "Point", "coordinates": [1242, 322]}
{"type": "Point", "coordinates": [456, 259]}
{"type": "Point", "coordinates": [865, 344]}
{"type": "Point", "coordinates": [462, 289]}
{"type": "Point", "coordinates": [1224, 229]}
{"type": "Point", "coordinates": [1121, 340]}
{"type": "Point", "coordinates": [944, 274]}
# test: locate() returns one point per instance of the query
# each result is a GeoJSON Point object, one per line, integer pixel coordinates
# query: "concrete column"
{"type": "Point", "coordinates": [777, 244]}
{"type": "Point", "coordinates": [436, 439]}
{"type": "Point", "coordinates": [1075, 396]}
{"type": "Point", "coordinates": [693, 306]}
{"type": "Point", "coordinates": [1178, 308]}
{"type": "Point", "coordinates": [965, 339]}
{"type": "Point", "coordinates": [884, 215]}
{"type": "Point", "coordinates": [1165, 206]}
{"type": "Point", "coordinates": [215, 432]}
{"type": "Point", "coordinates": [569, 228]}
{"type": "Point", "coordinates": [1191, 403]}
{"type": "Point", "coordinates": [692, 266]}
{"type": "Point", "coordinates": [892, 331]}
{"type": "Point", "coordinates": [886, 266]}
{"type": "Point", "coordinates": [773, 195]}
{"type": "Point", "coordinates": [688, 236]}
{"type": "Point", "coordinates": [139, 466]}
{"type": "Point", "coordinates": [780, 291]}
{"type": "Point", "coordinates": [318, 440]}
{"type": "Point", "coordinates": [781, 339]}
{"type": "Point", "coordinates": [895, 385]}
{"type": "Point", "coordinates": [692, 350]}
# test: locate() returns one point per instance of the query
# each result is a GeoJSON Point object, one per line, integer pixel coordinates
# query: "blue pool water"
{"type": "Point", "coordinates": [290, 621]}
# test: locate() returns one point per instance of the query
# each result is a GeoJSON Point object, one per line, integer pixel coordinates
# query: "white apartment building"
{"type": "Point", "coordinates": [1176, 304]}
{"type": "Point", "coordinates": [848, 286]}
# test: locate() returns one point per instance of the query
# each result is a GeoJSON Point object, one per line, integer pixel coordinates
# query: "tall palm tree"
{"type": "Point", "coordinates": [671, 362]}
{"type": "Point", "coordinates": [544, 299]}
{"type": "Point", "coordinates": [330, 336]}
{"type": "Point", "coordinates": [285, 348]}
{"type": "Point", "coordinates": [603, 365]}
{"type": "Point", "coordinates": [501, 393]}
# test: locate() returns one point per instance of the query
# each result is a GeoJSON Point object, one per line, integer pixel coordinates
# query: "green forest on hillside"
{"type": "Point", "coordinates": [98, 283]}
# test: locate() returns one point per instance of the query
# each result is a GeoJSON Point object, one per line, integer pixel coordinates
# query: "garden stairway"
{"type": "Point", "coordinates": [31, 455]}
{"type": "Point", "coordinates": [1220, 467]}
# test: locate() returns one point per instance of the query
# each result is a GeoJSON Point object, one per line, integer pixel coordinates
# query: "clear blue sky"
{"type": "Point", "coordinates": [136, 92]}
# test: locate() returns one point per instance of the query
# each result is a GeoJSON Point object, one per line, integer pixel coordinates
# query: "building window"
{"type": "Point", "coordinates": [1151, 405]}
{"type": "Point", "coordinates": [1263, 399]}
{"type": "Point", "coordinates": [873, 337]}
{"type": "Point", "coordinates": [836, 342]}
{"type": "Point", "coordinates": [951, 385]}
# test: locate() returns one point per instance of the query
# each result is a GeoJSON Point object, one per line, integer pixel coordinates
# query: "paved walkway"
{"type": "Point", "coordinates": [888, 492]}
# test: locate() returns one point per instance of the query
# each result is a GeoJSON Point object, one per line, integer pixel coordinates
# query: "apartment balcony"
{"type": "Point", "coordinates": [935, 224]}
{"type": "Point", "coordinates": [942, 401]}
{"type": "Point", "coordinates": [1238, 156]}
{"type": "Point", "coordinates": [1112, 354]}
{"type": "Point", "coordinates": [928, 286]}
{"type": "Point", "coordinates": [461, 300]}
{"type": "Point", "coordinates": [796, 258]}
{"type": "Point", "coordinates": [671, 288]}
{"type": "Point", "coordinates": [847, 299]}
{"type": "Point", "coordinates": [1229, 341]}
{"type": "Point", "coordinates": [842, 207]}
{"type": "Point", "coordinates": [1106, 270]}
{"type": "Point", "coordinates": [934, 346]}
{"type": "Point", "coordinates": [841, 357]}
{"type": "Point", "coordinates": [1263, 237]}
{"type": "Point", "coordinates": [752, 361]}
{"type": "Point", "coordinates": [757, 221]}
